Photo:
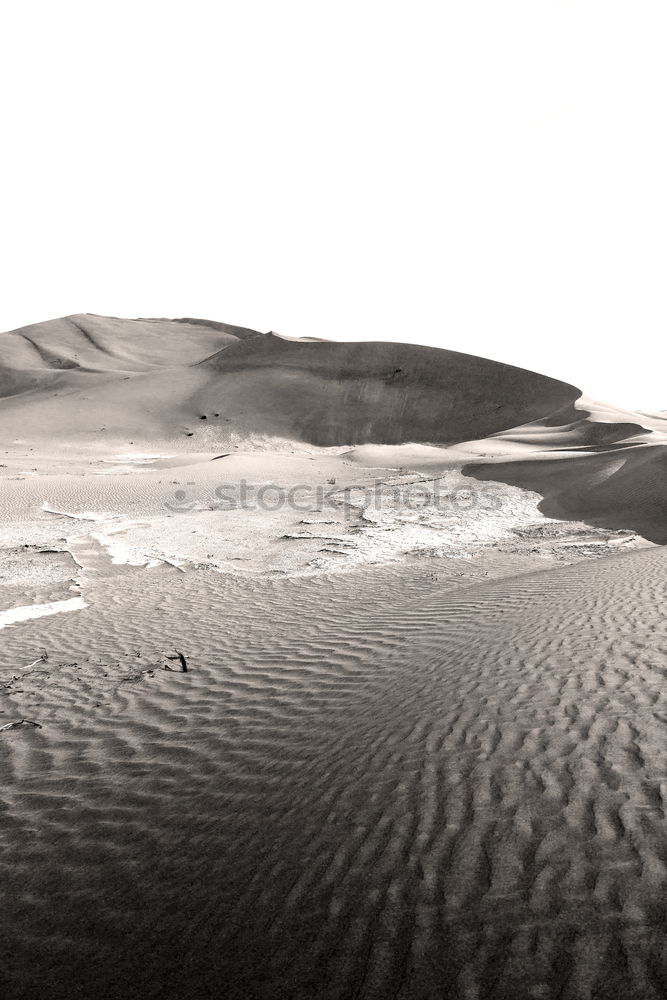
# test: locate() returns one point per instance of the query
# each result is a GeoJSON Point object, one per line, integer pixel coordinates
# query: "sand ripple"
{"type": "Point", "coordinates": [369, 785]}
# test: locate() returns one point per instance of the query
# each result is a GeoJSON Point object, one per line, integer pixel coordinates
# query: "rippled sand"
{"type": "Point", "coordinates": [395, 782]}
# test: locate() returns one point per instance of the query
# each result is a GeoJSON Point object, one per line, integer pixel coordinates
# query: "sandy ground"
{"type": "Point", "coordinates": [397, 781]}
{"type": "Point", "coordinates": [419, 748]}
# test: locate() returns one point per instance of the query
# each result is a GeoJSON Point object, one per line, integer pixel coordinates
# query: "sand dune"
{"type": "Point", "coordinates": [111, 385]}
{"type": "Point", "coordinates": [625, 490]}
{"type": "Point", "coordinates": [418, 749]}
{"type": "Point", "coordinates": [602, 468]}
{"type": "Point", "coordinates": [105, 344]}
{"type": "Point", "coordinates": [340, 394]}
{"type": "Point", "coordinates": [158, 380]}
{"type": "Point", "coordinates": [590, 462]}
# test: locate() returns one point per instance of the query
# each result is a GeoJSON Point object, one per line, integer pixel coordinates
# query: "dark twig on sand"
{"type": "Point", "coordinates": [179, 656]}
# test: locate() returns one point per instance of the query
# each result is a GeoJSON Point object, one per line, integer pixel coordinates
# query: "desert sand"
{"type": "Point", "coordinates": [419, 747]}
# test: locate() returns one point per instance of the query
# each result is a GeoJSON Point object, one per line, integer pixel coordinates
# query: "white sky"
{"type": "Point", "coordinates": [489, 177]}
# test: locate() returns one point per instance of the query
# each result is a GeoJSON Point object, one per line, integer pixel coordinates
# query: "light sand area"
{"type": "Point", "coordinates": [299, 511]}
{"type": "Point", "coordinates": [392, 782]}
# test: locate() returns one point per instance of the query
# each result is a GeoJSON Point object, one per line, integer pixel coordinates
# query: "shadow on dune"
{"type": "Point", "coordinates": [622, 489]}
{"type": "Point", "coordinates": [331, 394]}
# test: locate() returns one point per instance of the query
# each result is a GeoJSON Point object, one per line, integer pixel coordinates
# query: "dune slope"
{"type": "Point", "coordinates": [593, 463]}
{"type": "Point", "coordinates": [163, 376]}
{"type": "Point", "coordinates": [330, 393]}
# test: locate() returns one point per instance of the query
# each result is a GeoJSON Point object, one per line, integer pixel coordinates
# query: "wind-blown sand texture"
{"type": "Point", "coordinates": [419, 749]}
